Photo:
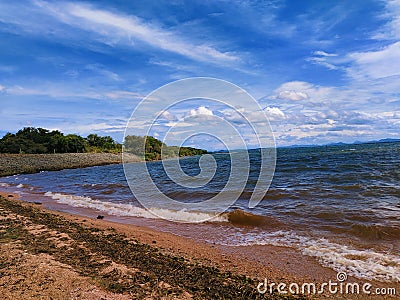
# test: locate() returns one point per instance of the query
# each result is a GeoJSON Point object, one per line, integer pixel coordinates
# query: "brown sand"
{"type": "Point", "coordinates": [39, 275]}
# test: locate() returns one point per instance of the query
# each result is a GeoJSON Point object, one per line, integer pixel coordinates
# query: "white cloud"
{"type": "Point", "coordinates": [391, 30]}
{"type": "Point", "coordinates": [324, 59]}
{"type": "Point", "coordinates": [322, 62]}
{"type": "Point", "coordinates": [274, 113]}
{"type": "Point", "coordinates": [355, 112]}
{"type": "Point", "coordinates": [202, 110]}
{"type": "Point", "coordinates": [292, 95]}
{"type": "Point", "coordinates": [102, 71]}
{"type": "Point", "coordinates": [90, 128]}
{"type": "Point", "coordinates": [168, 116]}
{"type": "Point", "coordinates": [232, 115]}
{"type": "Point", "coordinates": [323, 53]}
{"type": "Point", "coordinates": [303, 91]}
{"type": "Point", "coordinates": [376, 64]}
{"type": "Point", "coordinates": [123, 95]}
{"type": "Point", "coordinates": [244, 117]}
{"type": "Point", "coordinates": [329, 113]}
{"type": "Point", "coordinates": [54, 91]}
{"type": "Point", "coordinates": [116, 28]}
{"type": "Point", "coordinates": [1, 87]}
{"type": "Point", "coordinates": [330, 121]}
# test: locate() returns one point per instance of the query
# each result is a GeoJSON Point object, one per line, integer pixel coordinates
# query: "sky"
{"type": "Point", "coordinates": [321, 71]}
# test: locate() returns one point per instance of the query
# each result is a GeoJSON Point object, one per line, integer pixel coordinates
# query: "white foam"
{"type": "Point", "coordinates": [365, 264]}
{"type": "Point", "coordinates": [3, 184]}
{"type": "Point", "coordinates": [120, 209]}
{"type": "Point", "coordinates": [20, 185]}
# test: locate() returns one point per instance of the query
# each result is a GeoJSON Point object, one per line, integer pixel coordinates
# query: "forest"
{"type": "Point", "coordinates": [31, 140]}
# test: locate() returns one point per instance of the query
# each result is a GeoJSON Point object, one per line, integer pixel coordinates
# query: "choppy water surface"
{"type": "Point", "coordinates": [340, 204]}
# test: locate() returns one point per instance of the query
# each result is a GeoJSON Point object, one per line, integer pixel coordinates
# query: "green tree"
{"type": "Point", "coordinates": [152, 148]}
{"type": "Point", "coordinates": [73, 143]}
{"type": "Point", "coordinates": [134, 144]}
{"type": "Point", "coordinates": [98, 143]}
{"type": "Point", "coordinates": [40, 140]}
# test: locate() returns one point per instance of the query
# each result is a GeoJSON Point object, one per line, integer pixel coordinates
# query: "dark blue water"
{"type": "Point", "coordinates": [322, 200]}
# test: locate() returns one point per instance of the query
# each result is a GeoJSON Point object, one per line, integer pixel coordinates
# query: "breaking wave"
{"type": "Point", "coordinates": [124, 210]}
{"type": "Point", "coordinates": [366, 264]}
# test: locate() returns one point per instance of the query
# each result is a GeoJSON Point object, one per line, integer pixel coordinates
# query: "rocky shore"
{"type": "Point", "coordinates": [11, 164]}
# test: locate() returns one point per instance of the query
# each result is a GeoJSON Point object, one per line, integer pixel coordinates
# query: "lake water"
{"type": "Point", "coordinates": [340, 204]}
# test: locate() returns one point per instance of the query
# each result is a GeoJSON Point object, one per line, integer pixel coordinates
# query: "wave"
{"type": "Point", "coordinates": [366, 264]}
{"type": "Point", "coordinates": [239, 217]}
{"type": "Point", "coordinates": [375, 232]}
{"type": "Point", "coordinates": [361, 263]}
{"type": "Point", "coordinates": [104, 186]}
{"type": "Point", "coordinates": [129, 210]}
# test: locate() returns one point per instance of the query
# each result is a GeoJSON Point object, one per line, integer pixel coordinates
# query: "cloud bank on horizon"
{"type": "Point", "coordinates": [322, 71]}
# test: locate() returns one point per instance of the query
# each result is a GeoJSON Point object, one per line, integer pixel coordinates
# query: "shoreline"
{"type": "Point", "coordinates": [12, 164]}
{"type": "Point", "coordinates": [277, 264]}
{"type": "Point", "coordinates": [122, 261]}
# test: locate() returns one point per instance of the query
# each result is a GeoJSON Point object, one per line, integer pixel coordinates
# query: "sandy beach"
{"type": "Point", "coordinates": [54, 255]}
{"type": "Point", "coordinates": [59, 256]}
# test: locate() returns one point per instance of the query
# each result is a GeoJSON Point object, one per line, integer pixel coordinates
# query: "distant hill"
{"type": "Point", "coordinates": [344, 144]}
{"type": "Point", "coordinates": [389, 141]}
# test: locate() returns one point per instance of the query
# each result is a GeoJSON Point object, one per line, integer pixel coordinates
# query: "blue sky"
{"type": "Point", "coordinates": [323, 71]}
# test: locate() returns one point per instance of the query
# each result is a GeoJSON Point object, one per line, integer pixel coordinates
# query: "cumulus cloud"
{"type": "Point", "coordinates": [274, 113]}
{"type": "Point", "coordinates": [303, 91]}
{"type": "Point", "coordinates": [168, 116]}
{"type": "Point", "coordinates": [232, 115]}
{"type": "Point", "coordinates": [1, 88]}
{"type": "Point", "coordinates": [292, 95]}
{"type": "Point", "coordinates": [202, 110]}
{"type": "Point", "coordinates": [329, 113]}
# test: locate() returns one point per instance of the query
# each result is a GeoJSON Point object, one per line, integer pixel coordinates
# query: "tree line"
{"type": "Point", "coordinates": [39, 141]}
{"type": "Point", "coordinates": [153, 149]}
{"type": "Point", "coordinates": [30, 140]}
